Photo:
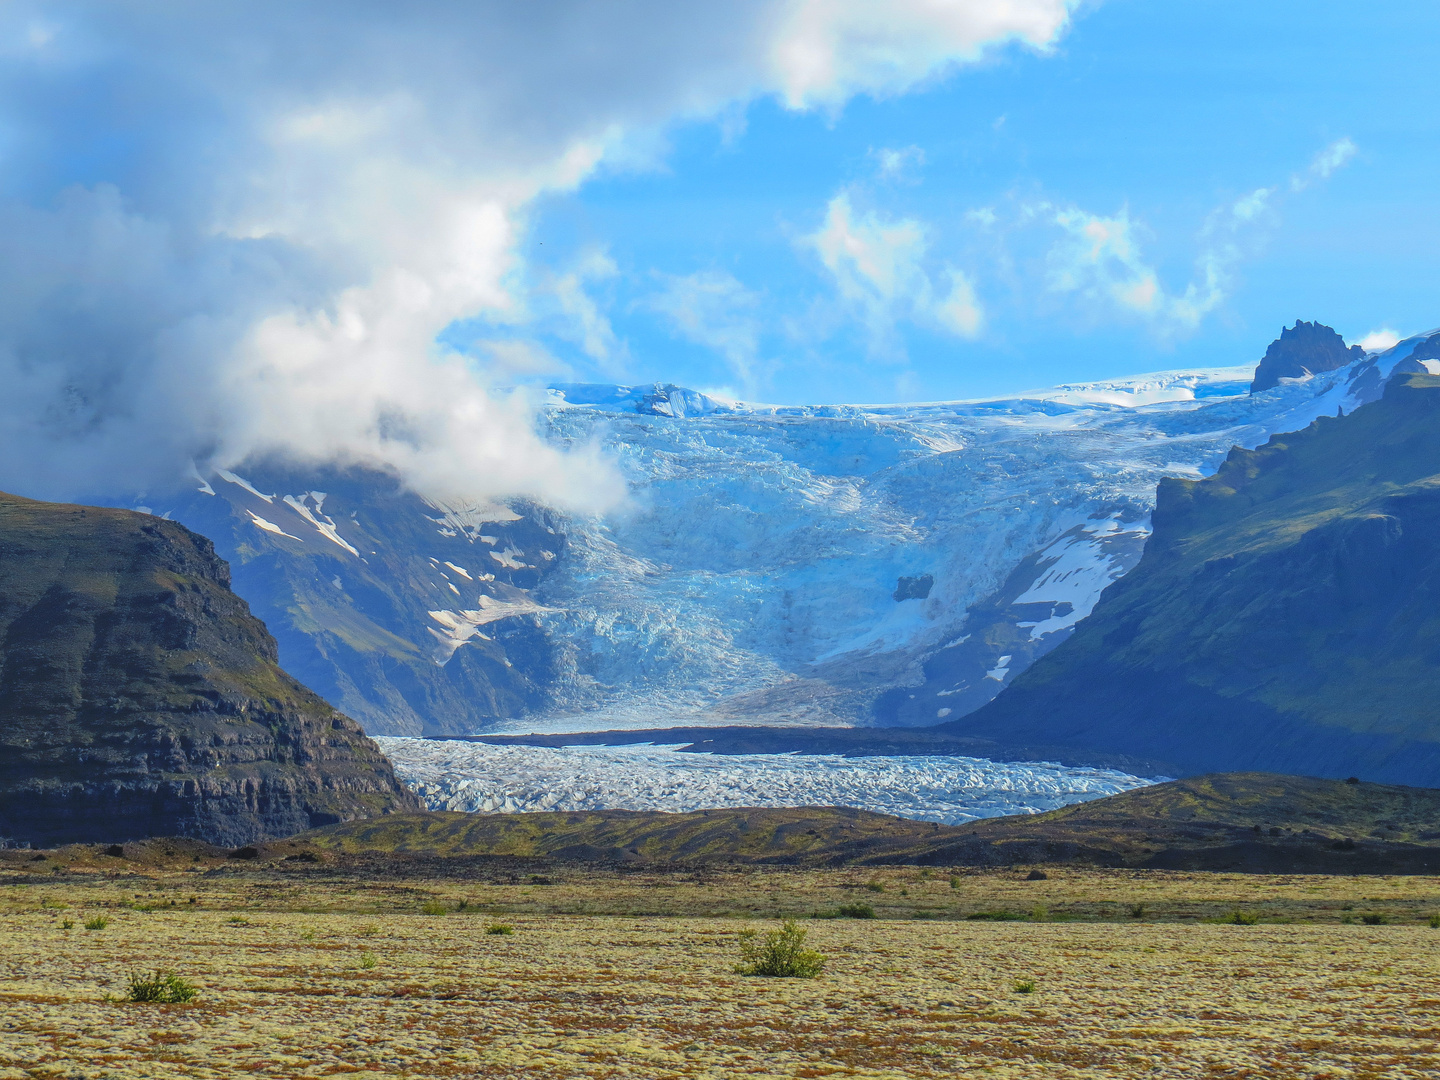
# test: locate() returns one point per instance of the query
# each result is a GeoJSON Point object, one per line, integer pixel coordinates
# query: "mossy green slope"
{"type": "Point", "coordinates": [1285, 615]}
{"type": "Point", "coordinates": [1239, 821]}
{"type": "Point", "coordinates": [139, 696]}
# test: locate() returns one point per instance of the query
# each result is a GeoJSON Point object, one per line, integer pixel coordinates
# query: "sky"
{"type": "Point", "coordinates": [345, 233]}
{"type": "Point", "coordinates": [1166, 187]}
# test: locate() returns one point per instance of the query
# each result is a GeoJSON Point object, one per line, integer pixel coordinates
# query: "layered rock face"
{"type": "Point", "coordinates": [1285, 615]}
{"type": "Point", "coordinates": [1307, 348]}
{"type": "Point", "coordinates": [139, 696]}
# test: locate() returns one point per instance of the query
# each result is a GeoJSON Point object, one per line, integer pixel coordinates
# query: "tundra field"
{"type": "Point", "coordinates": [353, 967]}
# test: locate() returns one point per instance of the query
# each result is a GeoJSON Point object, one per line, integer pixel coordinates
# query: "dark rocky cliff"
{"type": "Point", "coordinates": [1307, 348]}
{"type": "Point", "coordinates": [1285, 615]}
{"type": "Point", "coordinates": [139, 696]}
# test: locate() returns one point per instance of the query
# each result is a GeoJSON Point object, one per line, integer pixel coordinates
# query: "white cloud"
{"type": "Point", "coordinates": [898, 163]}
{"type": "Point", "coordinates": [878, 269]}
{"type": "Point", "coordinates": [1100, 258]}
{"type": "Point", "coordinates": [1334, 156]}
{"type": "Point", "coordinates": [588, 324]}
{"type": "Point", "coordinates": [825, 51]}
{"type": "Point", "coordinates": [1379, 340]}
{"type": "Point", "coordinates": [714, 309]}
{"type": "Point", "coordinates": [299, 197]}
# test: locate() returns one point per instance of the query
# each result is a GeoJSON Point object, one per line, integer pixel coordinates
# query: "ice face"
{"type": "Point", "coordinates": [757, 569]}
{"type": "Point", "coordinates": [478, 777]}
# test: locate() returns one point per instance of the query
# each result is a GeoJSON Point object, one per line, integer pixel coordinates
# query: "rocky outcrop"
{"type": "Point", "coordinates": [139, 696]}
{"type": "Point", "coordinates": [1307, 348]}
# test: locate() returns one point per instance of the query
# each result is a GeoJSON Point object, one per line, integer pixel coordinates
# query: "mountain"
{"type": "Point", "coordinates": [804, 566]}
{"type": "Point", "coordinates": [1307, 348]}
{"type": "Point", "coordinates": [1285, 614]}
{"type": "Point", "coordinates": [139, 696]}
{"type": "Point", "coordinates": [412, 616]}
{"type": "Point", "coordinates": [1248, 822]}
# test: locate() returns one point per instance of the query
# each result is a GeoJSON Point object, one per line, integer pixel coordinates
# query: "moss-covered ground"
{"type": "Point", "coordinates": [319, 969]}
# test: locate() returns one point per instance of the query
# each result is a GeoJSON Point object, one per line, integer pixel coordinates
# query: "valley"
{"type": "Point", "coordinates": [306, 969]}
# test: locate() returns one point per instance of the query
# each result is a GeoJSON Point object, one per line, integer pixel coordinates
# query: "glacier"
{"type": "Point", "coordinates": [755, 576]}
{"type": "Point", "coordinates": [482, 778]}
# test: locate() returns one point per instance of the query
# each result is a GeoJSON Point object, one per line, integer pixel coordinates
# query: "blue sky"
{"type": "Point", "coordinates": [1153, 120]}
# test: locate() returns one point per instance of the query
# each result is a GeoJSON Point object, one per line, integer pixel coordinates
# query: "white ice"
{"type": "Point", "coordinates": [477, 777]}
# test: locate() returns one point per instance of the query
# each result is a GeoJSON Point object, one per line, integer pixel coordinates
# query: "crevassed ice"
{"type": "Point", "coordinates": [478, 777]}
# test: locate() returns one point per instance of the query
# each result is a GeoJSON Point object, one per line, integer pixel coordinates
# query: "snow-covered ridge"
{"type": "Point", "coordinates": [478, 777]}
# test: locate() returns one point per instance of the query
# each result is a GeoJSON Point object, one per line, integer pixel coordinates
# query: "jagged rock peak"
{"type": "Point", "coordinates": [139, 697]}
{"type": "Point", "coordinates": [1307, 348]}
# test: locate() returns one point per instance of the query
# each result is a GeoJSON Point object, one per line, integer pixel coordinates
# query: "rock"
{"type": "Point", "coordinates": [139, 697]}
{"type": "Point", "coordinates": [1307, 348]}
{"type": "Point", "coordinates": [1037, 875]}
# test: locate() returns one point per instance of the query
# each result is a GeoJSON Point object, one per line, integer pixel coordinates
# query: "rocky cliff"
{"type": "Point", "coordinates": [1285, 615]}
{"type": "Point", "coordinates": [139, 696]}
{"type": "Point", "coordinates": [1307, 348]}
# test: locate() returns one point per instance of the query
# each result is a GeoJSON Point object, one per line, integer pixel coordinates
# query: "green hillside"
{"type": "Point", "coordinates": [1257, 822]}
{"type": "Point", "coordinates": [1285, 615]}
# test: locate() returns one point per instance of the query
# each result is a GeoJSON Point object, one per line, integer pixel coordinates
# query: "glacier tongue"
{"type": "Point", "coordinates": [756, 575]}
{"type": "Point", "coordinates": [479, 777]}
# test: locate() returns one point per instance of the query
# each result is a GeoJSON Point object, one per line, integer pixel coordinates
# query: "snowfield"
{"type": "Point", "coordinates": [478, 777]}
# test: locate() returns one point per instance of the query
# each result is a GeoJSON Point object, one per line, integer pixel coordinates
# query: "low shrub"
{"type": "Point", "coordinates": [1137, 911]}
{"type": "Point", "coordinates": [780, 954]}
{"type": "Point", "coordinates": [99, 922]}
{"type": "Point", "coordinates": [367, 960]}
{"type": "Point", "coordinates": [1374, 919]}
{"type": "Point", "coordinates": [433, 907]}
{"type": "Point", "coordinates": [856, 911]}
{"type": "Point", "coordinates": [1239, 917]}
{"type": "Point", "coordinates": [1039, 913]}
{"type": "Point", "coordinates": [67, 924]}
{"type": "Point", "coordinates": [499, 928]}
{"type": "Point", "coordinates": [239, 920]}
{"type": "Point", "coordinates": [995, 916]}
{"type": "Point", "coordinates": [1434, 921]}
{"type": "Point", "coordinates": [954, 881]}
{"type": "Point", "coordinates": [1025, 986]}
{"type": "Point", "coordinates": [367, 930]}
{"type": "Point", "coordinates": [875, 886]}
{"type": "Point", "coordinates": [164, 988]}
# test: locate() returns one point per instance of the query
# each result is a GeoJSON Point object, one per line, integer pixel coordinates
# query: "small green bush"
{"type": "Point", "coordinates": [67, 924]}
{"type": "Point", "coordinates": [99, 922]}
{"type": "Point", "coordinates": [954, 881]}
{"type": "Point", "coordinates": [1434, 921]}
{"type": "Point", "coordinates": [1238, 917]}
{"type": "Point", "coordinates": [1137, 911]}
{"type": "Point", "coordinates": [1025, 986]}
{"type": "Point", "coordinates": [367, 960]}
{"type": "Point", "coordinates": [1039, 913]}
{"type": "Point", "coordinates": [499, 928]}
{"type": "Point", "coordinates": [239, 920]}
{"type": "Point", "coordinates": [995, 916]}
{"type": "Point", "coordinates": [164, 988]}
{"type": "Point", "coordinates": [856, 911]}
{"type": "Point", "coordinates": [433, 907]}
{"type": "Point", "coordinates": [367, 930]}
{"type": "Point", "coordinates": [781, 954]}
{"type": "Point", "coordinates": [875, 886]}
{"type": "Point", "coordinates": [1374, 919]}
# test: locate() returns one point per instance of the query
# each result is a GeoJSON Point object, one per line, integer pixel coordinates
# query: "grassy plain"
{"type": "Point", "coordinates": [312, 969]}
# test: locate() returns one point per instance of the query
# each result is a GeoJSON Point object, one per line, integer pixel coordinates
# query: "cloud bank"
{"type": "Point", "coordinates": [236, 230]}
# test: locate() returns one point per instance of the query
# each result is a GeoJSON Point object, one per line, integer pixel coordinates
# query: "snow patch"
{"type": "Point", "coordinates": [240, 481]}
{"type": "Point", "coordinates": [458, 627]}
{"type": "Point", "coordinates": [322, 524]}
{"type": "Point", "coordinates": [270, 526]}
